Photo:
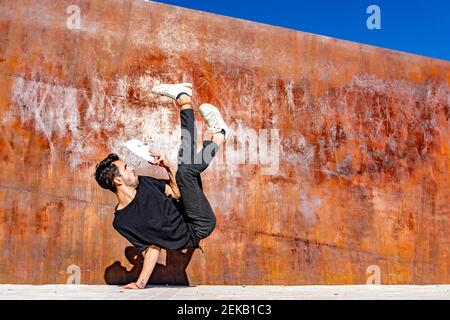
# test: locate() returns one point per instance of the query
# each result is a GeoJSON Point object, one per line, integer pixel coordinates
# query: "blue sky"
{"type": "Point", "coordinates": [420, 27]}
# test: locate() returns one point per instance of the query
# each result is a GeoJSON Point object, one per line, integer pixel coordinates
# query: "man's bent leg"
{"type": "Point", "coordinates": [187, 153]}
{"type": "Point", "coordinates": [195, 203]}
{"type": "Point", "coordinates": [206, 155]}
{"type": "Point", "coordinates": [190, 165]}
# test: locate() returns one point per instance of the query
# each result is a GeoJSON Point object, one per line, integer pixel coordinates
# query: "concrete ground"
{"type": "Point", "coordinates": [89, 292]}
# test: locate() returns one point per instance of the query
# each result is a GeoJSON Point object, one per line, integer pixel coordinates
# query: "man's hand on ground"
{"type": "Point", "coordinates": [132, 285]}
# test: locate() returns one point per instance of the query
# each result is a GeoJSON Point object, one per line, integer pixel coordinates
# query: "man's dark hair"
{"type": "Point", "coordinates": [106, 171]}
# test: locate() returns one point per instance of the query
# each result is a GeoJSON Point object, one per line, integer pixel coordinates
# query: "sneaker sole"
{"type": "Point", "coordinates": [186, 85]}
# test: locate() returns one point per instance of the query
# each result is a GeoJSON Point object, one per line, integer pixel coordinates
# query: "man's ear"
{"type": "Point", "coordinates": [118, 181]}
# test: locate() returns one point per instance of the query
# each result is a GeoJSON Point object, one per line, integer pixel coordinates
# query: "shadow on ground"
{"type": "Point", "coordinates": [172, 273]}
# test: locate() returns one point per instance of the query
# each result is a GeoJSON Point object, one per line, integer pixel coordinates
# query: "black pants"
{"type": "Point", "coordinates": [190, 165]}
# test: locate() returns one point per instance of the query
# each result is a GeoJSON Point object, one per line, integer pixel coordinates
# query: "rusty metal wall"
{"type": "Point", "coordinates": [349, 147]}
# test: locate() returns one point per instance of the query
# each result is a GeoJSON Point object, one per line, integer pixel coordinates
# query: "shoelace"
{"type": "Point", "coordinates": [216, 124]}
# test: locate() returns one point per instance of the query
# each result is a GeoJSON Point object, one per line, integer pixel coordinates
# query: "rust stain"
{"type": "Point", "coordinates": [355, 138]}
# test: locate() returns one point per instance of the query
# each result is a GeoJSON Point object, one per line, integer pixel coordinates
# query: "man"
{"type": "Point", "coordinates": [174, 214]}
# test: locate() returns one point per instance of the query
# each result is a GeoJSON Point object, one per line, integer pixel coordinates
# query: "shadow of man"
{"type": "Point", "coordinates": [172, 273]}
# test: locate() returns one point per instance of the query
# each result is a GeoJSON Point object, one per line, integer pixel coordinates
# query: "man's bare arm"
{"type": "Point", "coordinates": [161, 161]}
{"type": "Point", "coordinates": [172, 187]}
{"type": "Point", "coordinates": [151, 255]}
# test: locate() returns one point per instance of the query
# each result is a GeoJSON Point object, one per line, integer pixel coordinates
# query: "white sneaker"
{"type": "Point", "coordinates": [214, 119]}
{"type": "Point", "coordinates": [173, 90]}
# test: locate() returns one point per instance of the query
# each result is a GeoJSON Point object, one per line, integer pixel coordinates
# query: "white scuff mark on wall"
{"type": "Point", "coordinates": [56, 112]}
{"type": "Point", "coordinates": [308, 207]}
{"type": "Point", "coordinates": [272, 95]}
{"type": "Point", "coordinates": [176, 37]}
{"type": "Point", "coordinates": [247, 92]}
{"type": "Point", "coordinates": [396, 104]}
{"type": "Point", "coordinates": [290, 95]}
{"type": "Point", "coordinates": [232, 201]}
{"type": "Point", "coordinates": [306, 155]}
{"type": "Point", "coordinates": [223, 51]}
{"type": "Point", "coordinates": [144, 85]}
{"type": "Point", "coordinates": [52, 108]}
{"type": "Point", "coordinates": [370, 82]}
